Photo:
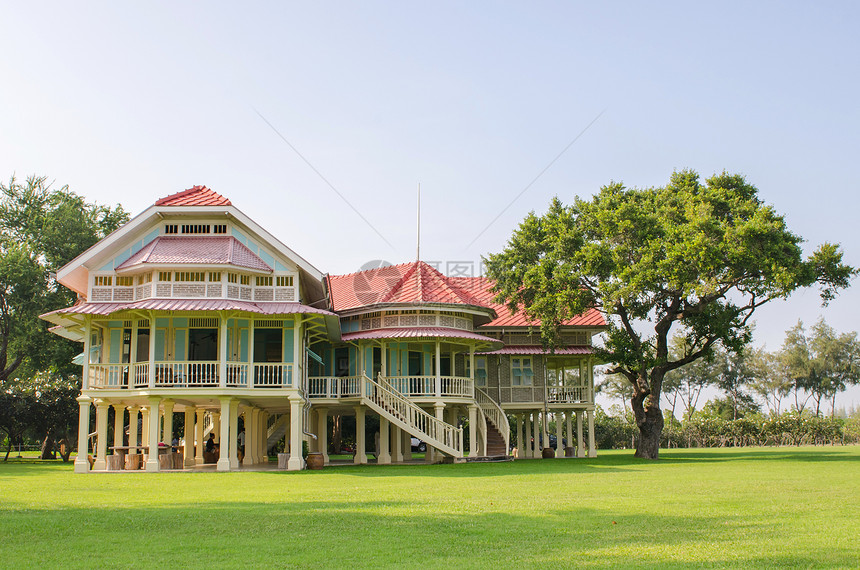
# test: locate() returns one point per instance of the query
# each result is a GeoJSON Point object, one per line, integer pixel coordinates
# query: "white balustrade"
{"type": "Point", "coordinates": [425, 386]}
{"type": "Point", "coordinates": [492, 411]}
{"type": "Point", "coordinates": [273, 375]}
{"type": "Point", "coordinates": [191, 374]}
{"type": "Point", "coordinates": [566, 394]}
{"type": "Point", "coordinates": [334, 387]}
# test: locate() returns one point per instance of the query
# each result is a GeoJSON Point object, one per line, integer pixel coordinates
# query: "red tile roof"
{"type": "Point", "coordinates": [202, 250]}
{"type": "Point", "coordinates": [418, 332]}
{"type": "Point", "coordinates": [513, 349]}
{"type": "Point", "coordinates": [418, 282]}
{"type": "Point", "coordinates": [408, 283]}
{"type": "Point", "coordinates": [480, 287]}
{"type": "Point", "coordinates": [195, 196]}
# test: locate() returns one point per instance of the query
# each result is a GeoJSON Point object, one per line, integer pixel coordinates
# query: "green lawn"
{"type": "Point", "coordinates": [725, 507]}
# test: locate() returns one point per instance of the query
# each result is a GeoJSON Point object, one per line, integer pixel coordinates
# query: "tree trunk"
{"type": "Point", "coordinates": [649, 420]}
{"type": "Point", "coordinates": [48, 448]}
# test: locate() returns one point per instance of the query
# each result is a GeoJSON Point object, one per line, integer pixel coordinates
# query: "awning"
{"type": "Point", "coordinates": [531, 349]}
{"type": "Point", "coordinates": [419, 333]}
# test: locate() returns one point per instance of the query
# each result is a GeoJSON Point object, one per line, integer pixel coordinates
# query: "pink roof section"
{"type": "Point", "coordinates": [418, 332]}
{"type": "Point", "coordinates": [194, 196]}
{"type": "Point", "coordinates": [188, 305]}
{"type": "Point", "coordinates": [481, 288]}
{"type": "Point", "coordinates": [567, 350]}
{"type": "Point", "coordinates": [209, 250]}
{"type": "Point", "coordinates": [407, 283]}
{"type": "Point", "coordinates": [418, 283]}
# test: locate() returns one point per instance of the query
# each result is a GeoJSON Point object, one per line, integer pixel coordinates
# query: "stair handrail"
{"type": "Point", "coordinates": [495, 413]}
{"type": "Point", "coordinates": [435, 432]}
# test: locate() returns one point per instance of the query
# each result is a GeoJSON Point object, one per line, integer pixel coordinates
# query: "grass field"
{"type": "Point", "coordinates": [722, 507]}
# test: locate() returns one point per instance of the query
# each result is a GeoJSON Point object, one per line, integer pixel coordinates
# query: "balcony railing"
{"type": "Point", "coordinates": [334, 387]}
{"type": "Point", "coordinates": [567, 394]}
{"type": "Point", "coordinates": [430, 386]}
{"type": "Point", "coordinates": [191, 374]}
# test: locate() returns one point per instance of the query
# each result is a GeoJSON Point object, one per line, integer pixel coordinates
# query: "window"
{"type": "Point", "coordinates": [171, 228]}
{"type": "Point", "coordinates": [214, 276]}
{"type": "Point", "coordinates": [125, 281]}
{"type": "Point", "coordinates": [264, 281]}
{"type": "Point", "coordinates": [165, 275]}
{"type": "Point", "coordinates": [219, 229]}
{"type": "Point", "coordinates": [521, 371]}
{"type": "Point", "coordinates": [480, 370]}
{"type": "Point", "coordinates": [103, 280]}
{"type": "Point", "coordinates": [232, 278]}
{"type": "Point", "coordinates": [285, 281]}
{"type": "Point", "coordinates": [190, 276]}
{"type": "Point", "coordinates": [145, 278]}
{"type": "Point", "coordinates": [245, 279]}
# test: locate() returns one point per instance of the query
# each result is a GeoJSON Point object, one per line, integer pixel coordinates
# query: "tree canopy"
{"type": "Point", "coordinates": [41, 229]}
{"type": "Point", "coordinates": [692, 257]}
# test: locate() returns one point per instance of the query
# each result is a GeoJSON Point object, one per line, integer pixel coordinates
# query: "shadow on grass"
{"type": "Point", "coordinates": [806, 454]}
{"type": "Point", "coordinates": [378, 533]}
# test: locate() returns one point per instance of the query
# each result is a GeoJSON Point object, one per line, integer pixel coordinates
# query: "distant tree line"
{"type": "Point", "coordinates": [768, 398]}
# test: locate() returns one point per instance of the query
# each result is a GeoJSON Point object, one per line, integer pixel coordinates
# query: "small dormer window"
{"type": "Point", "coordinates": [285, 281]}
{"type": "Point", "coordinates": [215, 276]}
{"type": "Point", "coordinates": [124, 281]}
{"type": "Point", "coordinates": [103, 280]}
{"type": "Point", "coordinates": [165, 275]}
{"type": "Point", "coordinates": [245, 279]}
{"type": "Point", "coordinates": [264, 281]}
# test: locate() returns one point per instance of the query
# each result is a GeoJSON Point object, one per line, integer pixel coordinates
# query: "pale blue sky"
{"type": "Point", "coordinates": [472, 100]}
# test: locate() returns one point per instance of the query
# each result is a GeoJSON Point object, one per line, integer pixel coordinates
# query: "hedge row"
{"type": "Point", "coordinates": [788, 428]}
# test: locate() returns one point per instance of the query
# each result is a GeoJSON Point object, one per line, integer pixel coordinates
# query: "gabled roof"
{"type": "Point", "coordinates": [194, 196]}
{"type": "Point", "coordinates": [208, 250]}
{"type": "Point", "coordinates": [481, 288]}
{"type": "Point", "coordinates": [415, 283]}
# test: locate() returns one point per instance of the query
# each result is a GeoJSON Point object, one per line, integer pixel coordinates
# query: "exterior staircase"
{"type": "Point", "coordinates": [400, 411]}
{"type": "Point", "coordinates": [496, 445]}
{"type": "Point", "coordinates": [496, 427]}
{"type": "Point", "coordinates": [277, 429]}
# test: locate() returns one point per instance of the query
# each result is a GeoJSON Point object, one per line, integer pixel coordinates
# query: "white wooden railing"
{"type": "Point", "coordinates": [334, 387]}
{"type": "Point", "coordinates": [427, 386]}
{"type": "Point", "coordinates": [399, 410]}
{"type": "Point", "coordinates": [191, 374]}
{"type": "Point", "coordinates": [567, 394]}
{"type": "Point", "coordinates": [492, 411]}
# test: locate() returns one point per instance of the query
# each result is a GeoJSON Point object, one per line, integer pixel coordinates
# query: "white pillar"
{"type": "Point", "coordinates": [133, 433]}
{"type": "Point", "coordinates": [263, 437]}
{"type": "Point", "coordinates": [559, 425]}
{"type": "Point", "coordinates": [152, 435]}
{"type": "Point", "coordinates": [580, 451]}
{"type": "Point", "coordinates": [118, 424]}
{"type": "Point", "coordinates": [250, 436]}
{"type": "Point", "coordinates": [297, 462]}
{"type": "Point", "coordinates": [188, 430]}
{"type": "Point", "coordinates": [383, 456]}
{"type": "Point", "coordinates": [396, 445]}
{"type": "Point", "coordinates": [198, 437]}
{"type": "Point", "coordinates": [543, 426]}
{"type": "Point", "coordinates": [592, 451]}
{"type": "Point", "coordinates": [536, 434]}
{"type": "Point", "coordinates": [473, 431]}
{"type": "Point", "coordinates": [569, 428]}
{"type": "Point", "coordinates": [234, 434]}
{"type": "Point", "coordinates": [151, 379]}
{"type": "Point", "coordinates": [224, 436]}
{"type": "Point", "coordinates": [167, 436]}
{"type": "Point", "coordinates": [521, 450]}
{"type": "Point", "coordinates": [144, 420]}
{"type": "Point", "coordinates": [360, 437]}
{"type": "Point", "coordinates": [527, 444]}
{"type": "Point", "coordinates": [82, 464]}
{"type": "Point", "coordinates": [216, 426]}
{"type": "Point", "coordinates": [101, 435]}
{"type": "Point", "coordinates": [85, 373]}
{"type": "Point", "coordinates": [438, 369]}
{"type": "Point", "coordinates": [222, 354]}
{"type": "Point", "coordinates": [322, 433]}
{"type": "Point", "coordinates": [406, 444]}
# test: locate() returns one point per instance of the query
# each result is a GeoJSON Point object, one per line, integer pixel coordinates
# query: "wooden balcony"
{"type": "Point", "coordinates": [191, 374]}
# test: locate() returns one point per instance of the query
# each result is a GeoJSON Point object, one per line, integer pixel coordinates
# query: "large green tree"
{"type": "Point", "coordinates": [41, 229]}
{"type": "Point", "coordinates": [692, 257]}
